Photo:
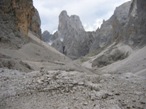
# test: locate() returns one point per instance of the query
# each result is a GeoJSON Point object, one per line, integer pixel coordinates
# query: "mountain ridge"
{"type": "Point", "coordinates": [33, 75]}
{"type": "Point", "coordinates": [117, 28]}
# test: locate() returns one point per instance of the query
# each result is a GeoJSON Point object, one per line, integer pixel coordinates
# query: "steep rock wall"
{"type": "Point", "coordinates": [23, 13]}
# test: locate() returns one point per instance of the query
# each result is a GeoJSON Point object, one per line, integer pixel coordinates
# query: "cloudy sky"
{"type": "Point", "coordinates": [91, 12]}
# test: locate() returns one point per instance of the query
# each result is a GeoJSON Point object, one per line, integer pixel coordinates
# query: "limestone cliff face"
{"type": "Point", "coordinates": [17, 17]}
{"type": "Point", "coordinates": [24, 14]}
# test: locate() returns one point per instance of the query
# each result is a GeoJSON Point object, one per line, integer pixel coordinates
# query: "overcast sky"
{"type": "Point", "coordinates": [91, 12]}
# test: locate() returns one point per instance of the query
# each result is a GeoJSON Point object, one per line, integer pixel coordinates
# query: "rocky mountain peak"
{"type": "Point", "coordinates": [76, 22]}
{"type": "Point", "coordinates": [46, 36]}
{"type": "Point", "coordinates": [122, 12]}
{"type": "Point", "coordinates": [72, 22]}
{"type": "Point", "coordinates": [63, 13]}
{"type": "Point", "coordinates": [63, 17]}
{"type": "Point", "coordinates": [73, 40]}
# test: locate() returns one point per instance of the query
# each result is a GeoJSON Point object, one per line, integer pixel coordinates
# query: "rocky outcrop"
{"type": "Point", "coordinates": [35, 23]}
{"type": "Point", "coordinates": [75, 40]}
{"type": "Point", "coordinates": [17, 17]}
{"type": "Point", "coordinates": [54, 36]}
{"type": "Point", "coordinates": [111, 30]}
{"type": "Point", "coordinates": [23, 13]}
{"type": "Point", "coordinates": [127, 25]}
{"type": "Point", "coordinates": [58, 44]}
{"type": "Point", "coordinates": [102, 36]}
{"type": "Point", "coordinates": [65, 22]}
{"type": "Point", "coordinates": [113, 54]}
{"type": "Point", "coordinates": [46, 36]}
{"type": "Point", "coordinates": [134, 32]}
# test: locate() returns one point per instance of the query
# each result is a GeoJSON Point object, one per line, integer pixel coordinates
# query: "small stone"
{"type": "Point", "coordinates": [105, 96]}
{"type": "Point", "coordinates": [117, 94]}
{"type": "Point", "coordinates": [142, 102]}
{"type": "Point", "coordinates": [128, 107]}
{"type": "Point", "coordinates": [2, 71]}
{"type": "Point", "coordinates": [85, 103]}
{"type": "Point", "coordinates": [101, 81]}
{"type": "Point", "coordinates": [133, 106]}
{"type": "Point", "coordinates": [81, 83]}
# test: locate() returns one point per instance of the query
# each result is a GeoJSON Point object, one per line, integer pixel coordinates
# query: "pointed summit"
{"type": "Point", "coordinates": [76, 22]}
{"type": "Point", "coordinates": [66, 22]}
{"type": "Point", "coordinates": [75, 40]}
{"type": "Point", "coordinates": [63, 13]}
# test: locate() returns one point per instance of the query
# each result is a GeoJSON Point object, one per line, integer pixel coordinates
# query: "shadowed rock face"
{"type": "Point", "coordinates": [17, 17]}
{"type": "Point", "coordinates": [23, 13]}
{"type": "Point", "coordinates": [135, 30]}
{"type": "Point", "coordinates": [115, 53]}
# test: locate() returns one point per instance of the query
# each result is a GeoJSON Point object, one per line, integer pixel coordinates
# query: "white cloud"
{"type": "Point", "coordinates": [91, 12]}
{"type": "Point", "coordinates": [96, 24]}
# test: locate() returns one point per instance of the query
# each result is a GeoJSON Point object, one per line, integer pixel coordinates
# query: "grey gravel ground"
{"type": "Point", "coordinates": [59, 89]}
